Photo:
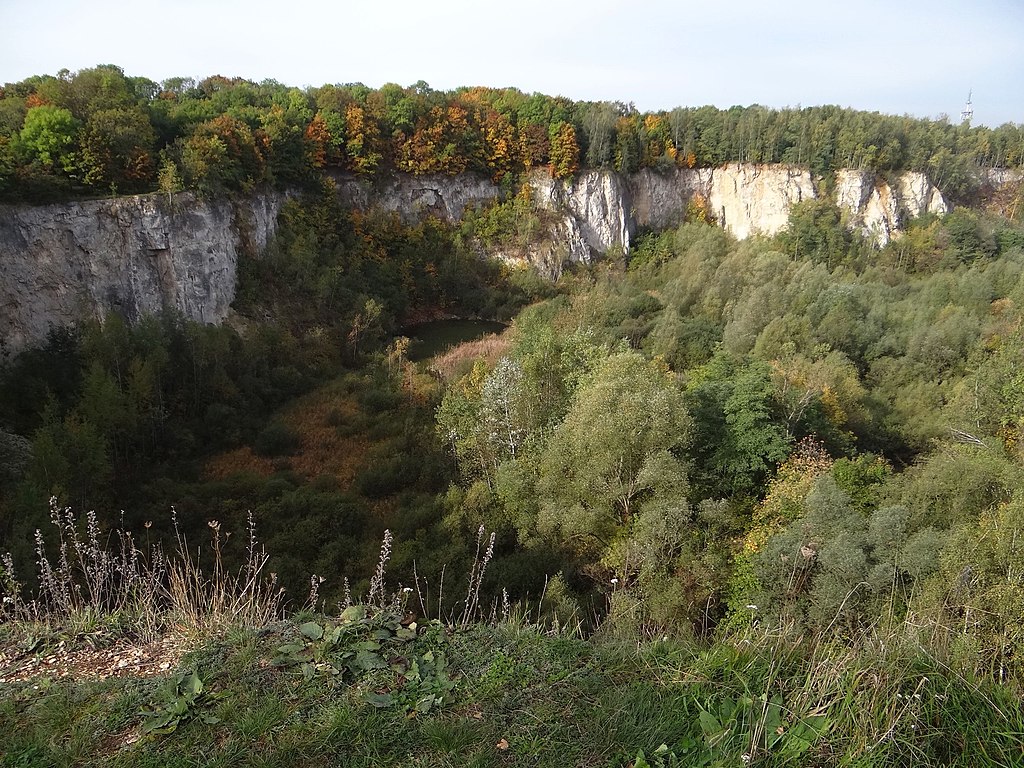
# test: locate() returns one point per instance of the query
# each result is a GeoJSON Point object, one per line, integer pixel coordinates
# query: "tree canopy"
{"type": "Point", "coordinates": [99, 130]}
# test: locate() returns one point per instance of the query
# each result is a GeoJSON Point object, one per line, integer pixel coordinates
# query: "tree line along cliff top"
{"type": "Point", "coordinates": [99, 131]}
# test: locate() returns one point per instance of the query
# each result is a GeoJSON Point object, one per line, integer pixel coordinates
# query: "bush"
{"type": "Point", "coordinates": [276, 440]}
{"type": "Point", "coordinates": [385, 477]}
{"type": "Point", "coordinates": [379, 400]}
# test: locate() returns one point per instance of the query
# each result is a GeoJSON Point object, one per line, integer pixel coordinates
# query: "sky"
{"type": "Point", "coordinates": [893, 56]}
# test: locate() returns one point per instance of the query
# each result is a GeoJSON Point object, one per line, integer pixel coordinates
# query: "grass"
{"type": "Point", "coordinates": [522, 697]}
{"type": "Point", "coordinates": [371, 687]}
{"type": "Point", "coordinates": [459, 359]}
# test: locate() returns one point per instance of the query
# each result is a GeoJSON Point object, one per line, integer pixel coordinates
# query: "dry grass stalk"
{"type": "Point", "coordinates": [90, 587]}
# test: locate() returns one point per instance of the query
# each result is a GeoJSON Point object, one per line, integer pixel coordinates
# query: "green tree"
{"type": "Point", "coordinates": [15, 454]}
{"type": "Point", "coordinates": [815, 231]}
{"type": "Point", "coordinates": [459, 425]}
{"type": "Point", "coordinates": [835, 568]}
{"type": "Point", "coordinates": [598, 122]}
{"type": "Point", "coordinates": [48, 137]}
{"type": "Point", "coordinates": [738, 435]}
{"type": "Point", "coordinates": [222, 154]}
{"type": "Point", "coordinates": [618, 448]}
{"type": "Point", "coordinates": [629, 141]}
{"type": "Point", "coordinates": [966, 236]}
{"type": "Point", "coordinates": [169, 178]}
{"type": "Point", "coordinates": [503, 408]}
{"type": "Point", "coordinates": [70, 460]}
{"type": "Point", "coordinates": [117, 149]}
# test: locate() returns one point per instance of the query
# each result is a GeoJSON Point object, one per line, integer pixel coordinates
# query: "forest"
{"type": "Point", "coordinates": [98, 132]}
{"type": "Point", "coordinates": [802, 436]}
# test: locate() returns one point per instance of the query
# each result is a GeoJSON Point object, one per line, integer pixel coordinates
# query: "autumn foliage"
{"type": "Point", "coordinates": [221, 134]}
{"type": "Point", "coordinates": [565, 152]}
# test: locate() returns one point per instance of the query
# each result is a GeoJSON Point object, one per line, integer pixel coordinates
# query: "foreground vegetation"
{"type": "Point", "coordinates": [513, 695]}
{"type": "Point", "coordinates": [376, 684]}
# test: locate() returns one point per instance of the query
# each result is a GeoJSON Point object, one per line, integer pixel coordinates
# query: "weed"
{"type": "Point", "coordinates": [90, 590]}
{"type": "Point", "coordinates": [757, 726]}
{"type": "Point", "coordinates": [662, 757]}
{"type": "Point", "coordinates": [181, 702]}
{"type": "Point", "coordinates": [471, 604]}
{"type": "Point", "coordinates": [374, 649]}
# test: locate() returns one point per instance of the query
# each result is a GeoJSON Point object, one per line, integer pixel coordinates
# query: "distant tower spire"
{"type": "Point", "coordinates": [968, 113]}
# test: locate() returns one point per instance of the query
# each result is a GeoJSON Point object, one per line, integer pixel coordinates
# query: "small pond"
{"type": "Point", "coordinates": [432, 338]}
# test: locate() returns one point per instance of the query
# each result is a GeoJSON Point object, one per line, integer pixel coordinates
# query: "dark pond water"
{"type": "Point", "coordinates": [429, 339]}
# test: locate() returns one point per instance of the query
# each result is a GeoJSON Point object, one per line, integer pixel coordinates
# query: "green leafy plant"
{"type": "Point", "coordinates": [375, 650]}
{"type": "Point", "coordinates": [757, 725]}
{"type": "Point", "coordinates": [662, 757]}
{"type": "Point", "coordinates": [182, 702]}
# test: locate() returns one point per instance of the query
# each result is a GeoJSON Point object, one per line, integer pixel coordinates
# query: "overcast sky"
{"type": "Point", "coordinates": [895, 56]}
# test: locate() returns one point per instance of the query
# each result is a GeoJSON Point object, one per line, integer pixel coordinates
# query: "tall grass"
{"type": "Point", "coordinates": [222, 599]}
{"type": "Point", "coordinates": [885, 702]}
{"type": "Point", "coordinates": [88, 581]}
{"type": "Point", "coordinates": [763, 695]}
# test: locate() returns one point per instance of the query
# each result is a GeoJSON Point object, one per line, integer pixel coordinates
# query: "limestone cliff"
{"type": "Point", "coordinates": [136, 255]}
{"type": "Point", "coordinates": [413, 197]}
{"type": "Point", "coordinates": [63, 263]}
{"type": "Point", "coordinates": [749, 199]}
{"type": "Point", "coordinates": [879, 209]}
{"type": "Point", "coordinates": [599, 212]}
{"type": "Point", "coordinates": [595, 208]}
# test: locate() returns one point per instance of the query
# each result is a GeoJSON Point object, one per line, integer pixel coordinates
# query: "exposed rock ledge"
{"type": "Point", "coordinates": [599, 212]}
{"type": "Point", "coordinates": [607, 209]}
{"type": "Point", "coordinates": [63, 263]}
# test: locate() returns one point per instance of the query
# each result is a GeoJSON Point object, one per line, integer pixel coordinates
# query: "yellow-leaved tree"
{"type": "Point", "coordinates": [565, 151]}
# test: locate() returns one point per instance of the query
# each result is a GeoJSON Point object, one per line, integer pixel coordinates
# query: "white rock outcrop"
{"type": "Point", "coordinates": [878, 209]}
{"type": "Point", "coordinates": [62, 263]}
{"type": "Point", "coordinates": [595, 208]}
{"type": "Point", "coordinates": [750, 199]}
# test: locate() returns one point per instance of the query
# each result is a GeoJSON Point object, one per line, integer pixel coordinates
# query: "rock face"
{"type": "Point", "coordinates": [131, 256]}
{"type": "Point", "coordinates": [63, 263]}
{"type": "Point", "coordinates": [599, 212]}
{"type": "Point", "coordinates": [413, 197]}
{"type": "Point", "coordinates": [749, 199]}
{"type": "Point", "coordinates": [660, 199]}
{"type": "Point", "coordinates": [879, 210]}
{"type": "Point", "coordinates": [591, 215]}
